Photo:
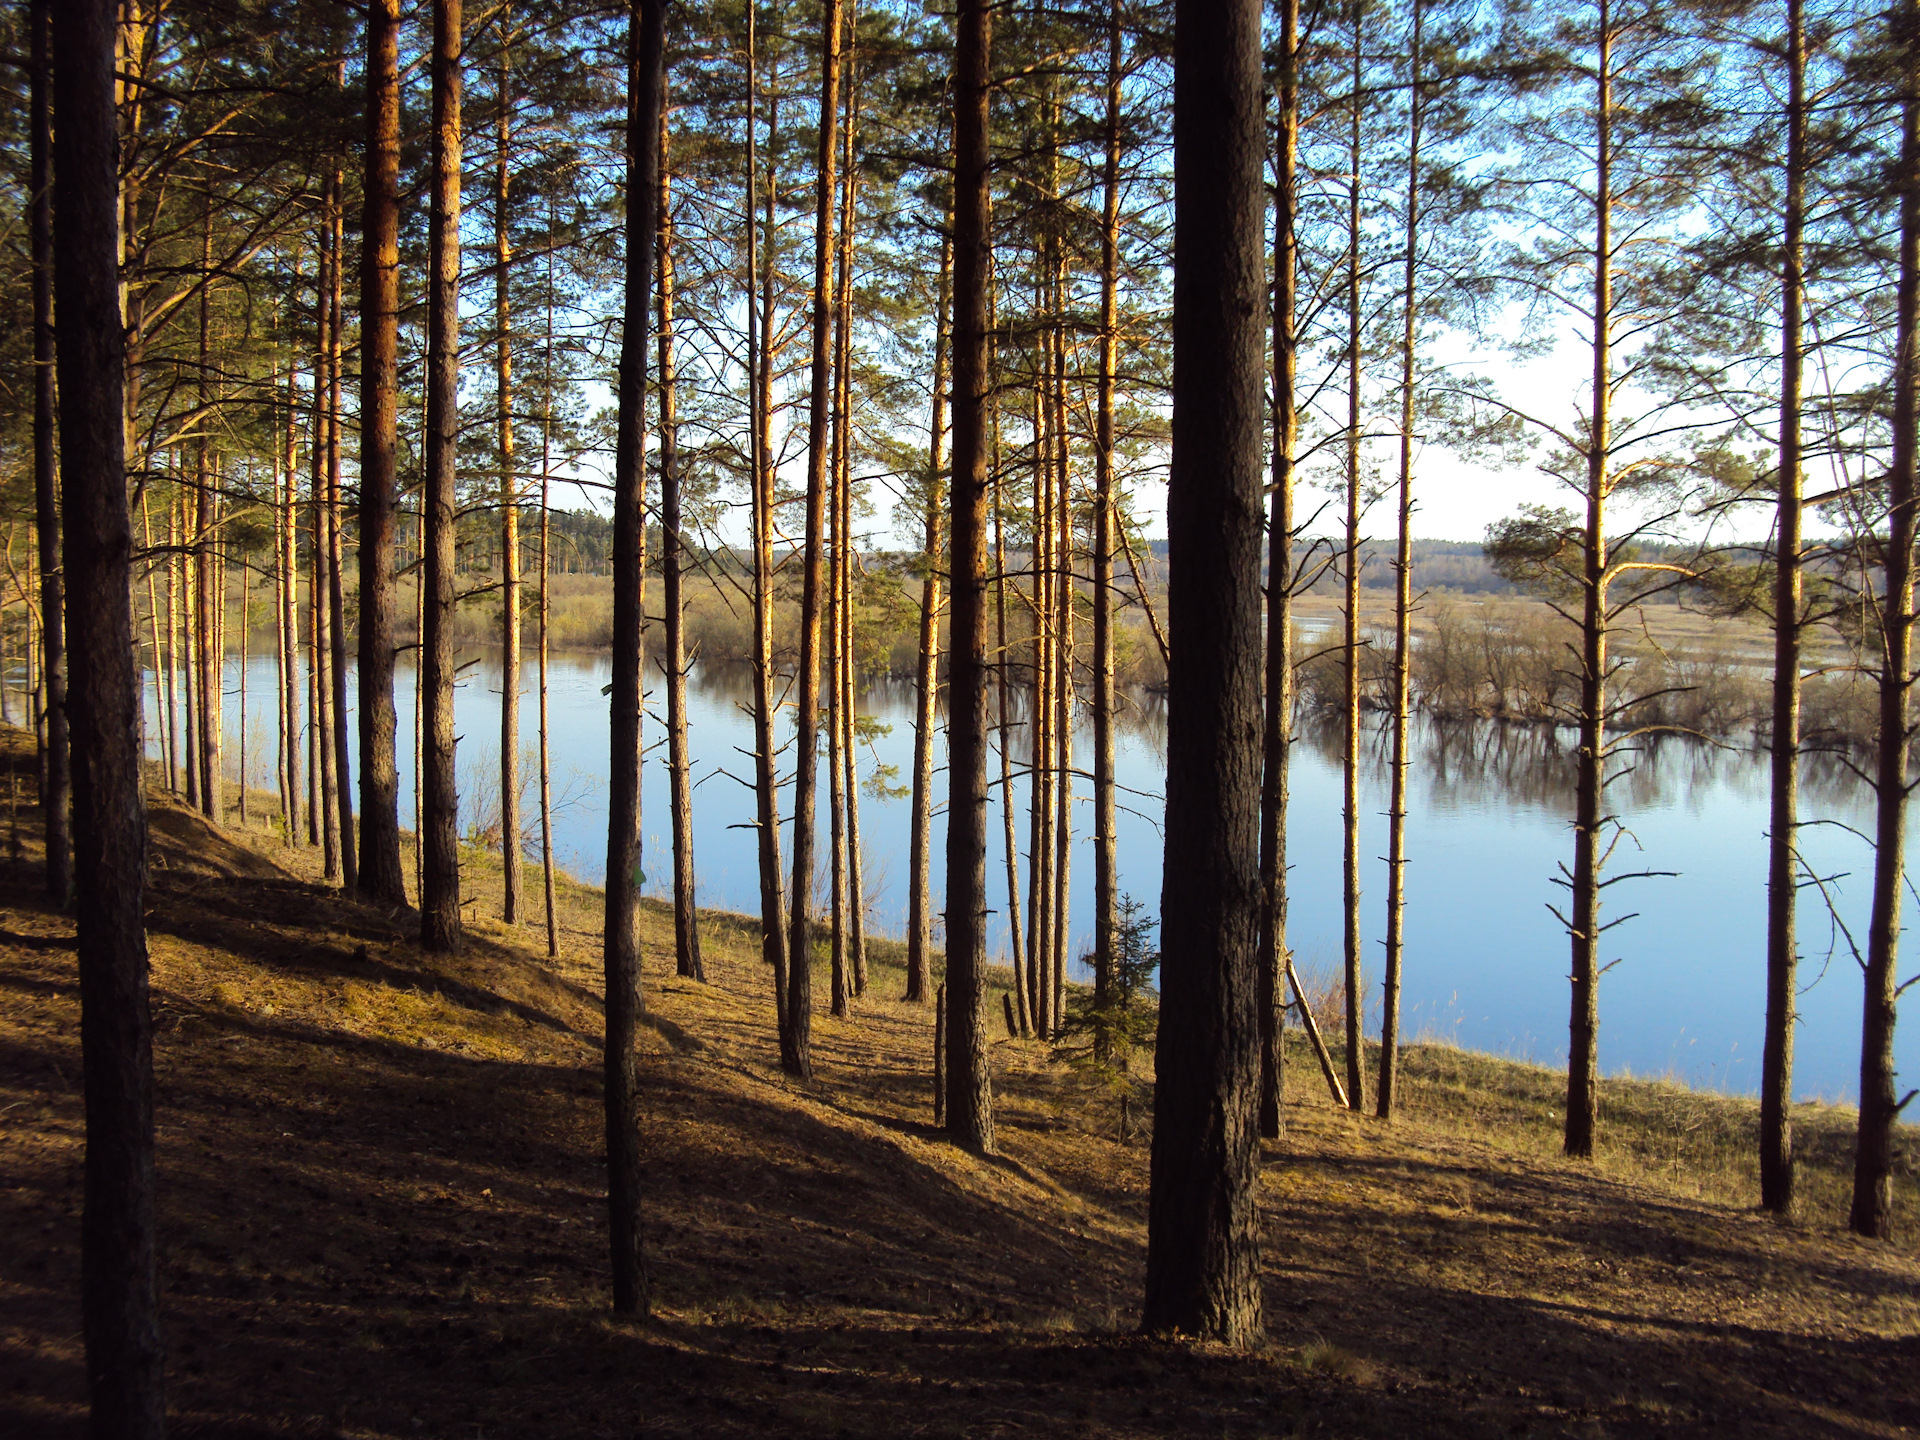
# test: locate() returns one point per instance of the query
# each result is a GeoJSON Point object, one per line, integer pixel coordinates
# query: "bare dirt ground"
{"type": "Point", "coordinates": [381, 1216]}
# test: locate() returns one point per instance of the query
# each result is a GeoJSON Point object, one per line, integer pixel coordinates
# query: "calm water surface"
{"type": "Point", "coordinates": [1488, 825]}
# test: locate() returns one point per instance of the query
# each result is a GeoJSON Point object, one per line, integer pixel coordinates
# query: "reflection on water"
{"type": "Point", "coordinates": [1488, 826]}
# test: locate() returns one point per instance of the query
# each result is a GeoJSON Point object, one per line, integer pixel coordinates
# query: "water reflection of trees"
{"type": "Point", "coordinates": [1479, 764]}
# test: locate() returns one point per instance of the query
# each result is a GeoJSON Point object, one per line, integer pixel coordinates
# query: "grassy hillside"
{"type": "Point", "coordinates": [381, 1216]}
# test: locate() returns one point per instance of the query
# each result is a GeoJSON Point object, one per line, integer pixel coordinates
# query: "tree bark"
{"type": "Point", "coordinates": [326, 805]}
{"type": "Point", "coordinates": [1105, 517]}
{"type": "Point", "coordinates": [1202, 1237]}
{"type": "Point", "coordinates": [1871, 1212]}
{"type": "Point", "coordinates": [645, 42]}
{"type": "Point", "coordinates": [796, 1054]}
{"type": "Point", "coordinates": [927, 672]}
{"type": "Point", "coordinates": [336, 594]}
{"type": "Point", "coordinates": [381, 878]}
{"type": "Point", "coordinates": [686, 913]}
{"type": "Point", "coordinates": [56, 794]}
{"type": "Point", "coordinates": [1402, 610]}
{"type": "Point", "coordinates": [510, 904]}
{"type": "Point", "coordinates": [1276, 743]}
{"type": "Point", "coordinates": [969, 1105]}
{"type": "Point", "coordinates": [1350, 647]}
{"type": "Point", "coordinates": [1584, 1020]}
{"type": "Point", "coordinates": [119, 1295]}
{"type": "Point", "coordinates": [206, 527]}
{"type": "Point", "coordinates": [773, 935]}
{"type": "Point", "coordinates": [1783, 957]}
{"type": "Point", "coordinates": [440, 920]}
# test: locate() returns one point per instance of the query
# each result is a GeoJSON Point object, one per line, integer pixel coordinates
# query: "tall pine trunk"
{"type": "Point", "coordinates": [1350, 643]}
{"type": "Point", "coordinates": [927, 669]}
{"type": "Point", "coordinates": [1276, 742]}
{"type": "Point", "coordinates": [1105, 518]}
{"type": "Point", "coordinates": [673, 552]}
{"type": "Point", "coordinates": [969, 1091]}
{"type": "Point", "coordinates": [1590, 777]}
{"type": "Point", "coordinates": [440, 920]}
{"type": "Point", "coordinates": [1402, 610]}
{"type": "Point", "coordinates": [1203, 1250]}
{"type": "Point", "coordinates": [1871, 1212]}
{"type": "Point", "coordinates": [645, 69]}
{"type": "Point", "coordinates": [796, 1053]}
{"type": "Point", "coordinates": [509, 508]}
{"type": "Point", "coordinates": [1776, 1063]}
{"type": "Point", "coordinates": [120, 1313]}
{"type": "Point", "coordinates": [56, 794]}
{"type": "Point", "coordinates": [336, 580]}
{"type": "Point", "coordinates": [773, 934]}
{"type": "Point", "coordinates": [381, 878]}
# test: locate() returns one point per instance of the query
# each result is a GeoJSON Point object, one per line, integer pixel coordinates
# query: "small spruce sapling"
{"type": "Point", "coordinates": [1100, 1037]}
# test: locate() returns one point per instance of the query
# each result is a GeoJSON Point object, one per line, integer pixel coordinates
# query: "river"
{"type": "Point", "coordinates": [1488, 825]}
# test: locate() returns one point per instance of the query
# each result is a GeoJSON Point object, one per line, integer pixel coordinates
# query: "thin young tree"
{"type": "Point", "coordinates": [440, 921]}
{"type": "Point", "coordinates": [120, 1309]}
{"type": "Point", "coordinates": [673, 560]}
{"type": "Point", "coordinates": [1105, 518]}
{"type": "Point", "coordinates": [1203, 1249]}
{"type": "Point", "coordinates": [509, 497]}
{"type": "Point", "coordinates": [1402, 593]}
{"type": "Point", "coordinates": [969, 1094]}
{"type": "Point", "coordinates": [1277, 726]}
{"type": "Point", "coordinates": [796, 1053]}
{"type": "Point", "coordinates": [56, 794]}
{"type": "Point", "coordinates": [927, 666]}
{"type": "Point", "coordinates": [645, 70]}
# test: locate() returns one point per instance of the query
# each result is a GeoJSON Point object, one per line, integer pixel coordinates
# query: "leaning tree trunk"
{"type": "Point", "coordinates": [1872, 1209]}
{"type": "Point", "coordinates": [927, 675]}
{"type": "Point", "coordinates": [1203, 1249]}
{"type": "Point", "coordinates": [439, 793]}
{"type": "Point", "coordinates": [1402, 613]}
{"type": "Point", "coordinates": [1776, 1062]}
{"type": "Point", "coordinates": [119, 1298]}
{"type": "Point", "coordinates": [646, 25]}
{"type": "Point", "coordinates": [1277, 731]}
{"type": "Point", "coordinates": [969, 1107]}
{"type": "Point", "coordinates": [56, 793]}
{"type": "Point", "coordinates": [796, 1053]}
{"type": "Point", "coordinates": [686, 914]}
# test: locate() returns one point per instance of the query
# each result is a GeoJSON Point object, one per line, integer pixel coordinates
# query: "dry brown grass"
{"type": "Point", "coordinates": [381, 1216]}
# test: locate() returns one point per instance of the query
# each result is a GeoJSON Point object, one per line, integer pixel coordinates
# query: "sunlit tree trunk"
{"type": "Point", "coordinates": [440, 921]}
{"type": "Point", "coordinates": [319, 586]}
{"type": "Point", "coordinates": [927, 672]}
{"type": "Point", "coordinates": [381, 878]}
{"type": "Point", "coordinates": [56, 793]}
{"type": "Point", "coordinates": [336, 594]}
{"type": "Point", "coordinates": [673, 550]}
{"type": "Point", "coordinates": [1871, 1212]}
{"type": "Point", "coordinates": [1105, 517]}
{"type": "Point", "coordinates": [509, 505]}
{"type": "Point", "coordinates": [1350, 645]}
{"type": "Point", "coordinates": [796, 1054]}
{"type": "Point", "coordinates": [1277, 728]}
{"type": "Point", "coordinates": [773, 935]}
{"type": "Point", "coordinates": [546, 538]}
{"type": "Point", "coordinates": [1402, 607]}
{"type": "Point", "coordinates": [206, 529]}
{"type": "Point", "coordinates": [969, 1092]}
{"type": "Point", "coordinates": [287, 530]}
